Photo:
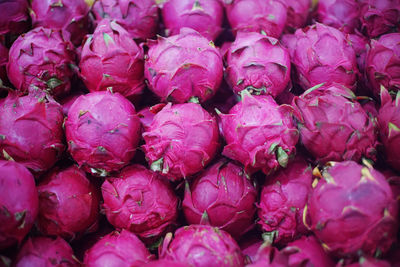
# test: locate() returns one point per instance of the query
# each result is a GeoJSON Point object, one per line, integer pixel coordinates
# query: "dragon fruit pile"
{"type": "Point", "coordinates": [200, 133]}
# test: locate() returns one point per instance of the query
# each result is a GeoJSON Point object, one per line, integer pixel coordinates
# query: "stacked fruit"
{"type": "Point", "coordinates": [199, 132]}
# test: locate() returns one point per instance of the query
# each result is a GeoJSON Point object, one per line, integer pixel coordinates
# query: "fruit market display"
{"type": "Point", "coordinates": [200, 133]}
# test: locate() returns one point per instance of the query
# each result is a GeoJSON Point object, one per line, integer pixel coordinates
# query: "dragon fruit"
{"type": "Point", "coordinates": [103, 132]}
{"type": "Point", "coordinates": [379, 16]}
{"type": "Point", "coordinates": [117, 249]}
{"type": "Point", "coordinates": [222, 196]}
{"type": "Point", "coordinates": [181, 140]}
{"type": "Point", "coordinates": [250, 246]}
{"type": "Point", "coordinates": [68, 203]}
{"type": "Point", "coordinates": [45, 251]}
{"type": "Point", "coordinates": [340, 14]}
{"type": "Point", "coordinates": [257, 63]}
{"type": "Point", "coordinates": [3, 63]}
{"type": "Point", "coordinates": [31, 130]}
{"type": "Point", "coordinates": [69, 15]}
{"type": "Point", "coordinates": [259, 133]}
{"type": "Point", "coordinates": [18, 202]}
{"type": "Point", "coordinates": [383, 61]}
{"type": "Point", "coordinates": [360, 44]}
{"type": "Point", "coordinates": [201, 245]}
{"type": "Point", "coordinates": [110, 59]}
{"type": "Point", "coordinates": [140, 201]}
{"type": "Point", "coordinates": [389, 125]}
{"type": "Point", "coordinates": [204, 16]}
{"type": "Point", "coordinates": [183, 66]}
{"type": "Point", "coordinates": [307, 251]}
{"type": "Point", "coordinates": [333, 126]}
{"type": "Point", "coordinates": [165, 263]}
{"type": "Point", "coordinates": [321, 54]}
{"type": "Point", "coordinates": [42, 58]}
{"type": "Point", "coordinates": [139, 18]}
{"type": "Point", "coordinates": [268, 16]}
{"type": "Point", "coordinates": [352, 210]}
{"type": "Point", "coordinates": [297, 14]}
{"type": "Point", "coordinates": [146, 115]}
{"type": "Point", "coordinates": [282, 201]}
{"type": "Point", "coordinates": [267, 255]}
{"type": "Point", "coordinates": [13, 16]}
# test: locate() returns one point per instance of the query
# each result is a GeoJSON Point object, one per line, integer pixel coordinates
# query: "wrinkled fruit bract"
{"type": "Point", "coordinates": [181, 140]}
{"type": "Point", "coordinates": [43, 58]}
{"type": "Point", "coordinates": [140, 201]}
{"type": "Point", "coordinates": [102, 131]}
{"type": "Point", "coordinates": [321, 54]}
{"type": "Point", "coordinates": [267, 16]}
{"type": "Point", "coordinates": [352, 210]}
{"type": "Point", "coordinates": [183, 66]}
{"type": "Point", "coordinates": [282, 201]}
{"type": "Point", "coordinates": [257, 63]}
{"type": "Point", "coordinates": [31, 130]}
{"type": "Point", "coordinates": [46, 252]}
{"type": "Point", "coordinates": [389, 125]}
{"type": "Point", "coordinates": [68, 203]}
{"type": "Point", "coordinates": [201, 245]}
{"type": "Point", "coordinates": [18, 202]}
{"type": "Point", "coordinates": [297, 14]}
{"type": "Point", "coordinates": [204, 16]}
{"type": "Point", "coordinates": [222, 196]}
{"type": "Point", "coordinates": [334, 126]}
{"type": "Point", "coordinates": [259, 133]}
{"type": "Point", "coordinates": [117, 249]}
{"type": "Point", "coordinates": [138, 17]}
{"type": "Point", "coordinates": [110, 59]}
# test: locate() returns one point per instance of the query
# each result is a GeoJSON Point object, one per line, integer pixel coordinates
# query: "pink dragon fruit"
{"type": "Point", "coordinates": [307, 251]}
{"type": "Point", "coordinates": [146, 115]}
{"type": "Point", "coordinates": [201, 245]}
{"type": "Point", "coordinates": [102, 131]}
{"type": "Point", "coordinates": [379, 16]}
{"type": "Point", "coordinates": [118, 249]}
{"type": "Point", "coordinates": [257, 63]}
{"type": "Point", "coordinates": [321, 54]}
{"type": "Point", "coordinates": [18, 202]}
{"type": "Point", "coordinates": [3, 63]}
{"type": "Point", "coordinates": [204, 16]}
{"type": "Point", "coordinates": [269, 256]}
{"type": "Point", "coordinates": [360, 44]}
{"type": "Point", "coordinates": [259, 133]}
{"type": "Point", "coordinates": [165, 263]}
{"type": "Point", "coordinates": [333, 126]}
{"type": "Point", "coordinates": [352, 210]}
{"type": "Point", "coordinates": [181, 140]}
{"type": "Point", "coordinates": [69, 15]}
{"type": "Point", "coordinates": [13, 16]}
{"type": "Point", "coordinates": [250, 246]}
{"type": "Point", "coordinates": [389, 125]}
{"type": "Point", "coordinates": [110, 59]}
{"type": "Point", "coordinates": [297, 14]}
{"type": "Point", "coordinates": [340, 14]}
{"type": "Point", "coordinates": [140, 201]}
{"type": "Point", "coordinates": [45, 251]}
{"type": "Point", "coordinates": [183, 66]}
{"type": "Point", "coordinates": [282, 201]}
{"type": "Point", "coordinates": [139, 18]}
{"type": "Point", "coordinates": [383, 61]}
{"type": "Point", "coordinates": [268, 16]}
{"type": "Point", "coordinates": [31, 130]}
{"type": "Point", "coordinates": [68, 203]}
{"type": "Point", "coordinates": [42, 58]}
{"type": "Point", "coordinates": [222, 196]}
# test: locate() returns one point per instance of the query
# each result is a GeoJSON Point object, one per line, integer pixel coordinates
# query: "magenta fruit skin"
{"type": "Point", "coordinates": [140, 201]}
{"type": "Point", "coordinates": [18, 203]}
{"type": "Point", "coordinates": [363, 216]}
{"type": "Point", "coordinates": [111, 60]}
{"type": "Point", "coordinates": [102, 131]}
{"type": "Point", "coordinates": [13, 16]}
{"type": "Point", "coordinates": [204, 16]}
{"type": "Point", "coordinates": [224, 196]}
{"type": "Point", "coordinates": [42, 58]}
{"type": "Point", "coordinates": [183, 66]}
{"type": "Point", "coordinates": [181, 140]}
{"type": "Point", "coordinates": [257, 63]}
